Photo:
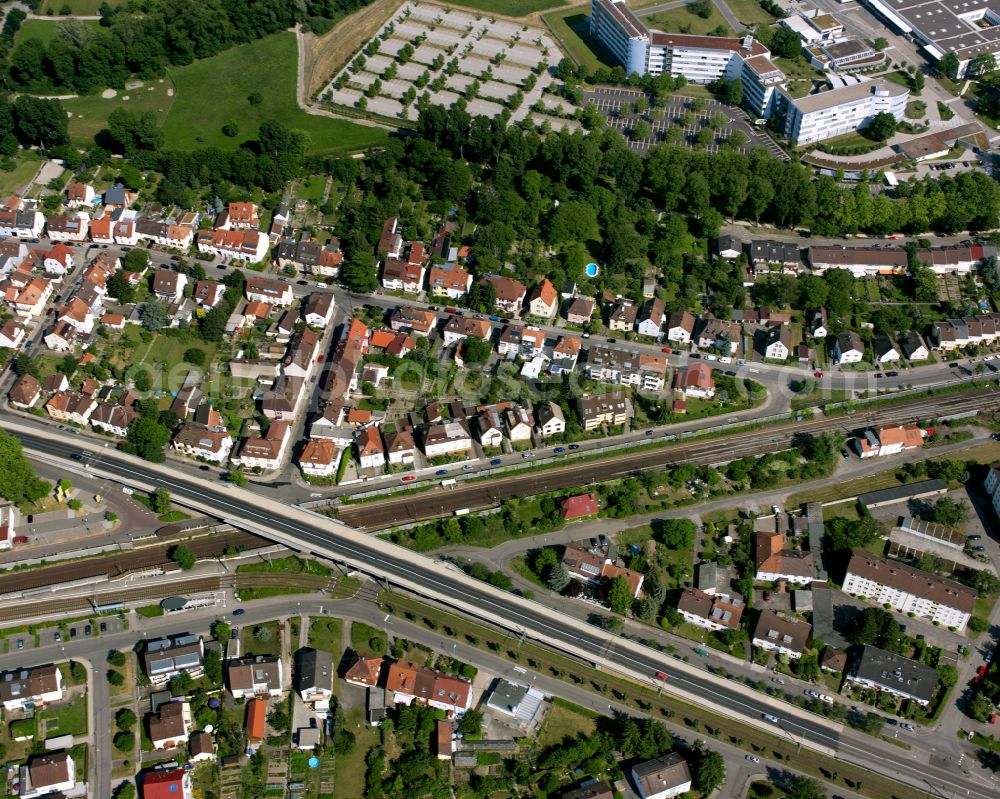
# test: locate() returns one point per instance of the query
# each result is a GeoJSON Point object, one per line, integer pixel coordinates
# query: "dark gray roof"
{"type": "Point", "coordinates": [895, 673]}
{"type": "Point", "coordinates": [899, 493]}
{"type": "Point", "coordinates": [508, 695]}
{"type": "Point", "coordinates": [315, 670]}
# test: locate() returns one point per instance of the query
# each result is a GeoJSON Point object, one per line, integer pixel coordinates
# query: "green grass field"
{"type": "Point", "coordinates": [509, 8]}
{"type": "Point", "coordinates": [362, 637]}
{"type": "Point", "coordinates": [680, 20]}
{"type": "Point", "coordinates": [749, 12]}
{"type": "Point", "coordinates": [68, 720]}
{"type": "Point", "coordinates": [45, 30]}
{"type": "Point", "coordinates": [15, 181]}
{"type": "Point", "coordinates": [268, 67]}
{"type": "Point", "coordinates": [570, 29]}
{"type": "Point", "coordinates": [88, 115]}
{"type": "Point", "coordinates": [324, 633]}
{"type": "Point", "coordinates": [83, 8]}
{"type": "Point", "coordinates": [563, 722]}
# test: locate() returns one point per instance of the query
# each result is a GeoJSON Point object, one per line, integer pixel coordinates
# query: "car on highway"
{"type": "Point", "coordinates": [495, 462]}
{"type": "Point", "coordinates": [752, 758]}
{"type": "Point", "coordinates": [408, 478]}
{"type": "Point", "coordinates": [701, 653]}
{"type": "Point", "coordinates": [237, 612]}
{"type": "Point", "coordinates": [770, 718]}
{"type": "Point", "coordinates": [559, 450]}
{"type": "Point", "coordinates": [441, 472]}
{"type": "Point", "coordinates": [573, 446]}
{"type": "Point", "coordinates": [58, 636]}
{"type": "Point", "coordinates": [468, 467]}
{"type": "Point", "coordinates": [527, 455]}
{"type": "Point", "coordinates": [649, 433]}
{"type": "Point", "coordinates": [661, 676]}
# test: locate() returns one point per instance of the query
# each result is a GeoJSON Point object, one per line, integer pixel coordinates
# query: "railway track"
{"type": "Point", "coordinates": [84, 603]}
{"type": "Point", "coordinates": [477, 495]}
{"type": "Point", "coordinates": [121, 563]}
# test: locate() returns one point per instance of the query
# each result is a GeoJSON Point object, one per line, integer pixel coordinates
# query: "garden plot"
{"type": "Point", "coordinates": [449, 51]}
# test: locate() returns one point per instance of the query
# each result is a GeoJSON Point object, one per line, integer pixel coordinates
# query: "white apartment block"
{"type": "Point", "coordinates": [848, 105]}
{"type": "Point", "coordinates": [991, 485]}
{"type": "Point", "coordinates": [909, 590]}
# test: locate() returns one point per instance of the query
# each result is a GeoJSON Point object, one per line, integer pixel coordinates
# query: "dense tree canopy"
{"type": "Point", "coordinates": [18, 481]}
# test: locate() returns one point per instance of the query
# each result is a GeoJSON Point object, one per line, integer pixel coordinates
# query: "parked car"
{"type": "Point", "coordinates": [408, 478]}
{"type": "Point", "coordinates": [817, 374]}
{"type": "Point", "coordinates": [237, 612]}
{"type": "Point", "coordinates": [892, 374]}
{"type": "Point", "coordinates": [559, 450]}
{"type": "Point", "coordinates": [20, 539]}
{"type": "Point", "coordinates": [752, 758]}
{"type": "Point", "coordinates": [701, 653]}
{"type": "Point", "coordinates": [907, 726]}
{"type": "Point", "coordinates": [468, 467]}
{"type": "Point", "coordinates": [667, 350]}
{"type": "Point", "coordinates": [20, 643]}
{"type": "Point", "coordinates": [495, 462]}
{"type": "Point", "coordinates": [661, 676]}
{"type": "Point", "coordinates": [527, 455]}
{"type": "Point", "coordinates": [845, 454]}
{"type": "Point", "coordinates": [573, 446]}
{"type": "Point", "coordinates": [778, 680]}
{"type": "Point", "coordinates": [441, 472]}
{"type": "Point", "coordinates": [811, 693]}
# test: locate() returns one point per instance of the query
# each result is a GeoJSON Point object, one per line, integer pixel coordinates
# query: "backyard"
{"type": "Point", "coordinates": [267, 68]}
{"type": "Point", "coordinates": [564, 721]}
{"type": "Point", "coordinates": [69, 719]}
{"type": "Point", "coordinates": [44, 30]}
{"type": "Point", "coordinates": [261, 639]}
{"type": "Point", "coordinates": [349, 776]}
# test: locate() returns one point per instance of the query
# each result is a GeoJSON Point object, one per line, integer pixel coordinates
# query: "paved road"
{"type": "Point", "coordinates": [372, 556]}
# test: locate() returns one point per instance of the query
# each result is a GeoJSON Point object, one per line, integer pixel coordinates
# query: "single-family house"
{"type": "Point", "coordinates": [68, 227]}
{"type": "Point", "coordinates": [22, 689]}
{"type": "Point", "coordinates": [680, 327]}
{"type": "Point", "coordinates": [889, 440]}
{"type": "Point", "coordinates": [780, 634]}
{"type": "Point", "coordinates": [695, 381]}
{"type": "Point", "coordinates": [409, 683]}
{"type": "Point", "coordinates": [170, 725]}
{"type": "Point", "coordinates": [914, 347]}
{"type": "Point", "coordinates": [848, 348]}
{"type": "Point", "coordinates": [263, 289]}
{"type": "Point", "coordinates": [47, 775]}
{"type": "Point", "coordinates": [172, 783]}
{"type": "Point", "coordinates": [774, 561]}
{"type": "Point", "coordinates": [885, 349]}
{"type": "Point", "coordinates": [169, 285]}
{"type": "Point", "coordinates": [711, 611]}
{"type": "Point", "coordinates": [318, 310]}
{"type": "Point", "coordinates": [580, 310]}
{"type": "Point", "coordinates": [544, 300]}
{"type": "Point", "coordinates": [112, 418]}
{"type": "Point", "coordinates": [68, 406]}
{"type": "Point", "coordinates": [400, 447]}
{"type": "Point", "coordinates": [371, 451]}
{"type": "Point", "coordinates": [775, 343]}
{"type": "Point", "coordinates": [622, 314]}
{"type": "Point", "coordinates": [262, 675]}
{"type": "Point", "coordinates": [318, 458]}
{"type": "Point", "coordinates": [651, 322]}
{"type": "Point", "coordinates": [662, 777]}
{"type": "Point", "coordinates": [402, 275]}
{"type": "Point", "coordinates": [12, 334]}
{"type": "Point", "coordinates": [509, 293]}
{"type": "Point", "coordinates": [265, 452]}
{"type": "Point", "coordinates": [25, 391]}
{"type": "Point", "coordinates": [550, 419]}
{"type": "Point", "coordinates": [599, 409]}
{"type": "Point", "coordinates": [199, 441]}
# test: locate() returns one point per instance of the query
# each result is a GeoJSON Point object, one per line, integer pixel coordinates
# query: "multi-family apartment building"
{"type": "Point", "coordinates": [780, 634]}
{"type": "Point", "coordinates": [165, 658]}
{"type": "Point", "coordinates": [255, 676]}
{"type": "Point", "coordinates": [711, 611]}
{"type": "Point", "coordinates": [909, 590]}
{"type": "Point", "coordinates": [894, 674]}
{"type": "Point", "coordinates": [625, 367]}
{"type": "Point", "coordinates": [598, 409]}
{"type": "Point", "coordinates": [23, 688]}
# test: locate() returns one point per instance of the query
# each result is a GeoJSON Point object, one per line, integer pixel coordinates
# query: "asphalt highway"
{"type": "Point", "coordinates": [396, 564]}
{"type": "Point", "coordinates": [380, 513]}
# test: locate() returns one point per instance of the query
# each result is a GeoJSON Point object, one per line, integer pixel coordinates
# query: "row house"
{"type": "Point", "coordinates": [651, 323]}
{"type": "Point", "coordinates": [310, 257]}
{"type": "Point", "coordinates": [765, 252]}
{"type": "Point", "coordinates": [21, 224]}
{"type": "Point", "coordinates": [199, 441]}
{"type": "Point", "coordinates": [112, 418]}
{"type": "Point", "coordinates": [626, 367]}
{"type": "Point", "coordinates": [953, 333]}
{"type": "Point", "coordinates": [264, 289]}
{"type": "Point", "coordinates": [959, 258]}
{"type": "Point", "coordinates": [524, 342]}
{"type": "Point", "coordinates": [238, 216]}
{"type": "Point", "coordinates": [449, 281]}
{"type": "Point", "coordinates": [447, 438]}
{"type": "Point", "coordinates": [248, 246]}
{"type": "Point", "coordinates": [68, 227]}
{"type": "Point", "coordinates": [301, 354]}
{"type": "Point", "coordinates": [711, 611]}
{"type": "Point", "coordinates": [67, 406]}
{"type": "Point", "coordinates": [164, 234]}
{"type": "Point", "coordinates": [265, 452]}
{"type": "Point", "coordinates": [510, 293]}
{"type": "Point", "coordinates": [610, 409]}
{"type": "Point", "coordinates": [859, 261]}
{"type": "Point", "coordinates": [125, 232]}
{"type": "Point", "coordinates": [544, 300]}
{"type": "Point", "coordinates": [909, 590]}
{"type": "Point", "coordinates": [22, 689]}
{"type": "Point", "coordinates": [680, 327]}
{"type": "Point", "coordinates": [400, 275]}
{"type": "Point", "coordinates": [102, 230]}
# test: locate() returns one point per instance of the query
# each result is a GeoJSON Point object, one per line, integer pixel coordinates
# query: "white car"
{"type": "Point", "coordinates": [710, 357]}
{"type": "Point", "coordinates": [752, 758]}
{"type": "Point", "coordinates": [811, 693]}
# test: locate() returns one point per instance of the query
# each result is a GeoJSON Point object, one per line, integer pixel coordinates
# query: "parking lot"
{"type": "Point", "coordinates": [679, 112]}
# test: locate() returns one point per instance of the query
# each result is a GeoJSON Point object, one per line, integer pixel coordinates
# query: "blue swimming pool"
{"type": "Point", "coordinates": [592, 269]}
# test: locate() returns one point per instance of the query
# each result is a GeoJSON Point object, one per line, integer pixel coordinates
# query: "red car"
{"type": "Point", "coordinates": [661, 676]}
{"type": "Point", "coordinates": [817, 374]}
{"type": "Point", "coordinates": [408, 478]}
{"type": "Point", "coordinates": [20, 539]}
{"type": "Point", "coordinates": [667, 350]}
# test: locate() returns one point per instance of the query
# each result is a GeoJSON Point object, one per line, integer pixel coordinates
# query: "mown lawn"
{"type": "Point", "coordinates": [68, 720]}
{"type": "Point", "coordinates": [267, 67]}
{"type": "Point", "coordinates": [349, 774]}
{"type": "Point", "coordinates": [84, 8]}
{"type": "Point", "coordinates": [324, 633]}
{"type": "Point", "coordinates": [16, 181]}
{"type": "Point", "coordinates": [564, 722]}
{"type": "Point", "coordinates": [570, 27]}
{"type": "Point", "coordinates": [680, 20]}
{"type": "Point", "coordinates": [749, 12]}
{"type": "Point", "coordinates": [363, 636]}
{"type": "Point", "coordinates": [89, 115]}
{"type": "Point", "coordinates": [42, 29]}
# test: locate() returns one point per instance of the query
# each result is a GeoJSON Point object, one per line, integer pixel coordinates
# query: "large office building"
{"type": "Point", "coordinates": [967, 28]}
{"type": "Point", "coordinates": [849, 104]}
